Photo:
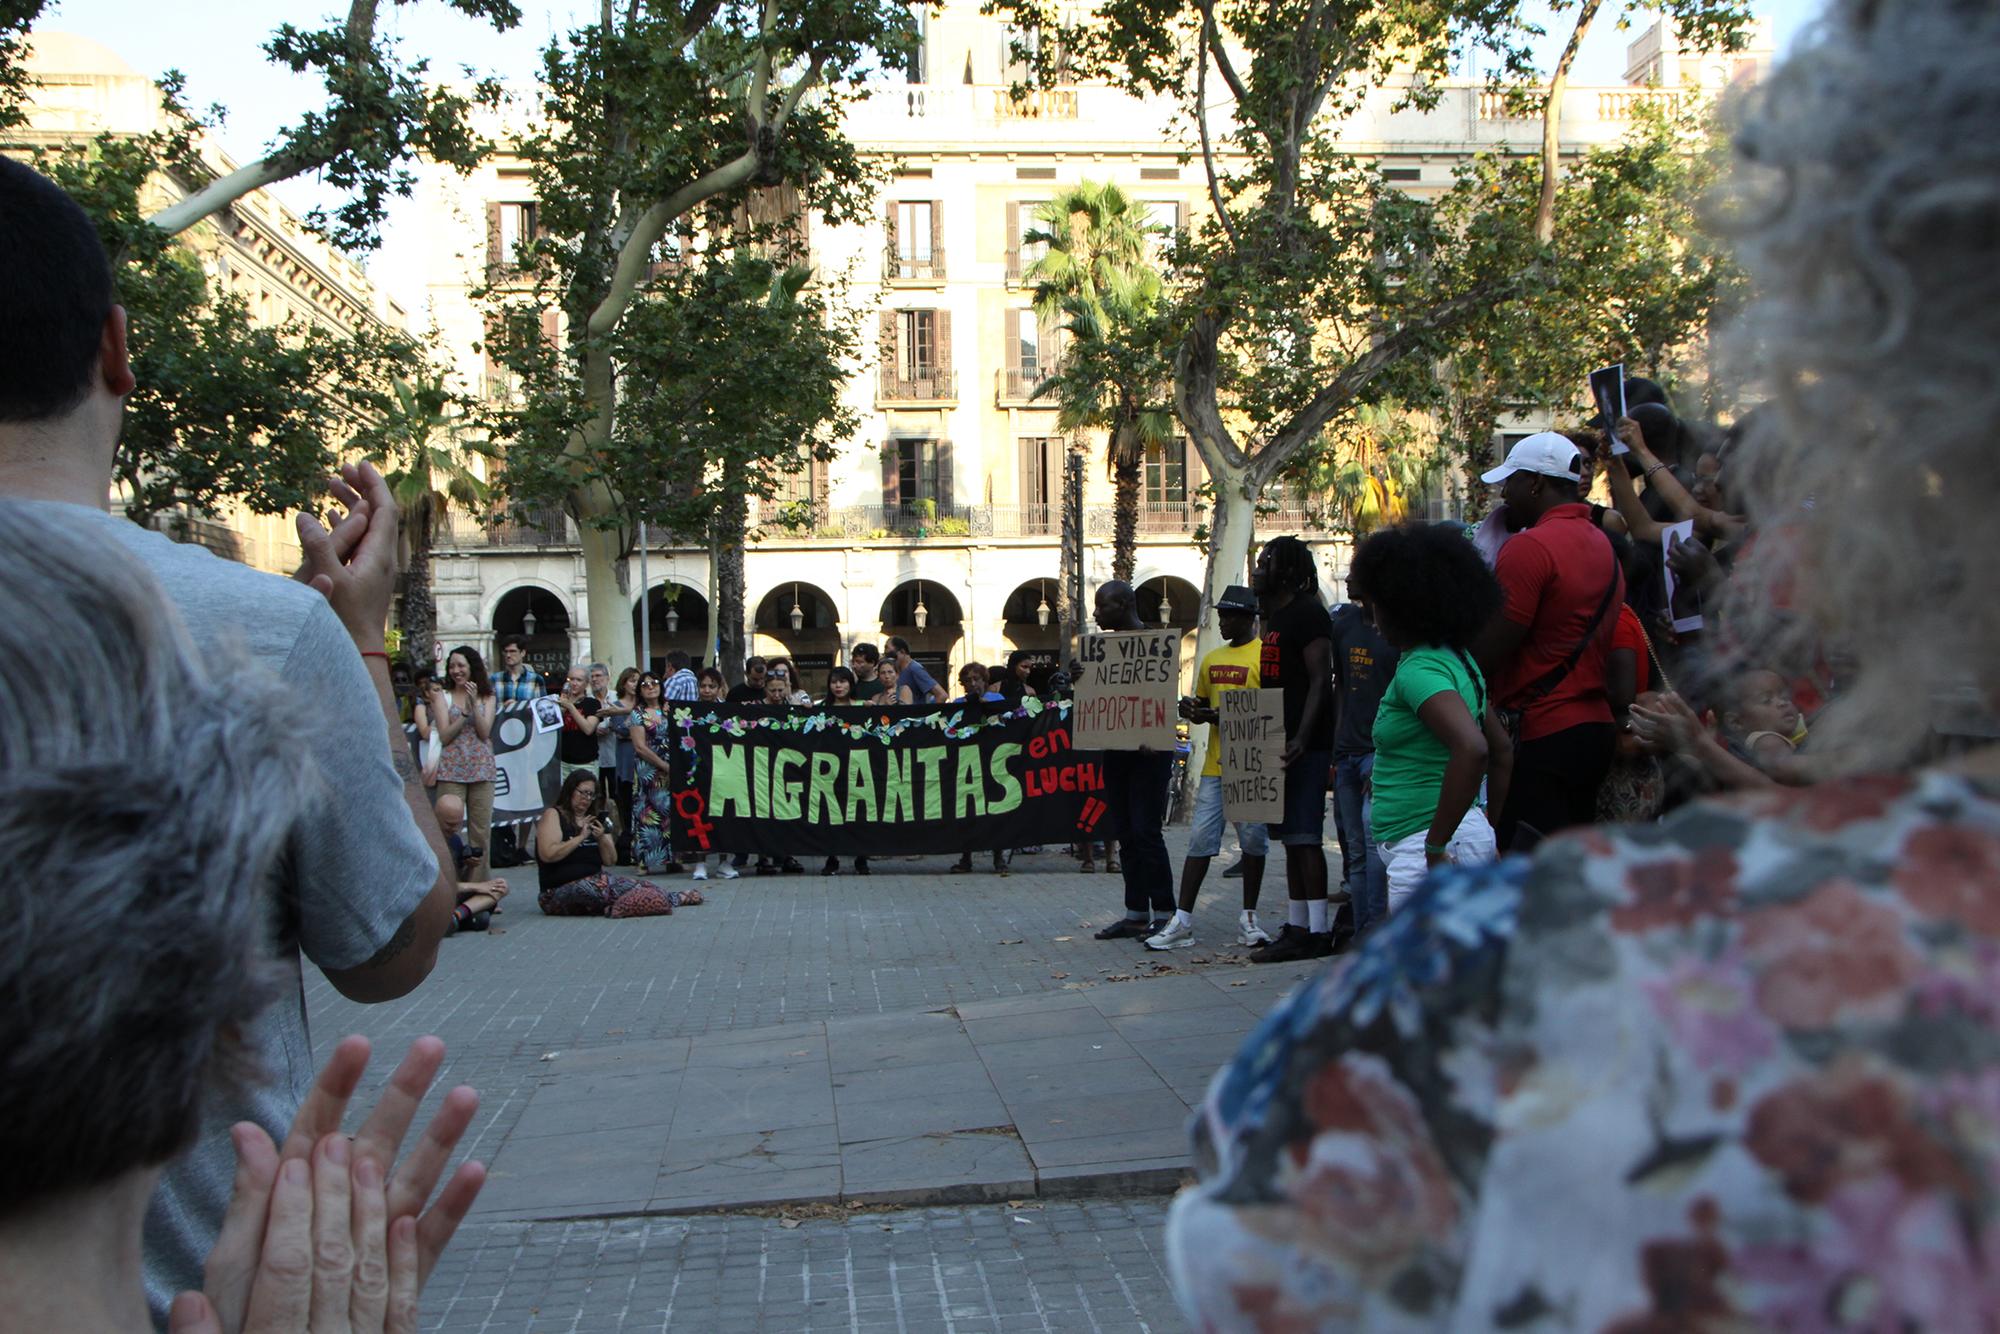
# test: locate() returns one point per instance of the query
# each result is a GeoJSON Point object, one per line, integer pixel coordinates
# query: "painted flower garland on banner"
{"type": "Point", "coordinates": [952, 723]}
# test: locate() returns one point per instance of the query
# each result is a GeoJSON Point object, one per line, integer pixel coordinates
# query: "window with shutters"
{"type": "Point", "coordinates": [516, 230]}
{"type": "Point", "coordinates": [1021, 254]}
{"type": "Point", "coordinates": [916, 241]}
{"type": "Point", "coordinates": [1166, 473]}
{"type": "Point", "coordinates": [1040, 480]}
{"type": "Point", "coordinates": [916, 344]}
{"type": "Point", "coordinates": [916, 355]}
{"type": "Point", "coordinates": [1164, 217]}
{"type": "Point", "coordinates": [1031, 358]}
{"type": "Point", "coordinates": [1171, 474]}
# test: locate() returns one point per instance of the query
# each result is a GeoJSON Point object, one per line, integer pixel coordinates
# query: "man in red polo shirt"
{"type": "Point", "coordinates": [1545, 652]}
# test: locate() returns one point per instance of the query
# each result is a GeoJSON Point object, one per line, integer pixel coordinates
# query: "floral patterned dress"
{"type": "Point", "coordinates": [1739, 1070]}
{"type": "Point", "coordinates": [652, 796]}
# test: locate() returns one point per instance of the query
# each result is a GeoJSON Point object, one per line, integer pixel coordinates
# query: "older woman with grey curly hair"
{"type": "Point", "coordinates": [1739, 1069]}
{"type": "Point", "coordinates": [139, 831]}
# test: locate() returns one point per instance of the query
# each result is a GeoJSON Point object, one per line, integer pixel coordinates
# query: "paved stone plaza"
{"type": "Point", "coordinates": [913, 1101]}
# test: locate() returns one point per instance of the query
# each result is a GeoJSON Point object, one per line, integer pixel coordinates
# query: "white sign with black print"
{"type": "Point", "coordinates": [1683, 600]}
{"type": "Point", "coordinates": [548, 713]}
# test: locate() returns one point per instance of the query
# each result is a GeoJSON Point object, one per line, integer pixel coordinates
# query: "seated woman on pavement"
{"type": "Point", "coordinates": [572, 848]}
{"type": "Point", "coordinates": [136, 960]}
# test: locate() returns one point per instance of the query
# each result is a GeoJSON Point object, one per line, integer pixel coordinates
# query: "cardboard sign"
{"type": "Point", "coordinates": [1251, 727]}
{"type": "Point", "coordinates": [1128, 694]}
{"type": "Point", "coordinates": [1607, 387]}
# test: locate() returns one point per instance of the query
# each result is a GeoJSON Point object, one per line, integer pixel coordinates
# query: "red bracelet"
{"type": "Point", "coordinates": [374, 653]}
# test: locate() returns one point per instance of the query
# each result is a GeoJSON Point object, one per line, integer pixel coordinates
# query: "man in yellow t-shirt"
{"type": "Point", "coordinates": [1234, 666]}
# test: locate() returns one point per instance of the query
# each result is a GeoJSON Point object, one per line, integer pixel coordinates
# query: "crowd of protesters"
{"type": "Point", "coordinates": [1671, 997]}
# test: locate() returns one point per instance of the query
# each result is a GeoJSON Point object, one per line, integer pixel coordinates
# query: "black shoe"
{"type": "Point", "coordinates": [832, 866]}
{"type": "Point", "coordinates": [861, 866]}
{"type": "Point", "coordinates": [962, 865]}
{"type": "Point", "coordinates": [1293, 944]}
{"type": "Point", "coordinates": [480, 920]}
{"type": "Point", "coordinates": [1234, 873]}
{"type": "Point", "coordinates": [791, 866]}
{"type": "Point", "coordinates": [1126, 928]}
{"type": "Point", "coordinates": [765, 866]}
{"type": "Point", "coordinates": [1000, 860]}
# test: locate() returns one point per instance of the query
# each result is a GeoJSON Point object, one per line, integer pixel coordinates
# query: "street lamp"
{"type": "Point", "coordinates": [528, 624]}
{"type": "Point", "coordinates": [1166, 607]}
{"type": "Point", "coordinates": [798, 612]}
{"type": "Point", "coordinates": [673, 616]}
{"type": "Point", "coordinates": [1042, 612]}
{"type": "Point", "coordinates": [923, 613]}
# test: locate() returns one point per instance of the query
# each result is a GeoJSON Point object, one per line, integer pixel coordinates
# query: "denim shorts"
{"type": "Point", "coordinates": [1206, 838]}
{"type": "Point", "coordinates": [1305, 801]}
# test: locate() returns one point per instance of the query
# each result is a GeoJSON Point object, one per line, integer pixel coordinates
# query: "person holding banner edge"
{"type": "Point", "coordinates": [1136, 788]}
{"type": "Point", "coordinates": [1233, 666]}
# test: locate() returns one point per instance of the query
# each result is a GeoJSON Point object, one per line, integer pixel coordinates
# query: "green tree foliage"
{"type": "Point", "coordinates": [1316, 288]}
{"type": "Point", "coordinates": [665, 129]}
{"type": "Point", "coordinates": [426, 445]}
{"type": "Point", "coordinates": [224, 409]}
{"type": "Point", "coordinates": [1097, 274]}
{"type": "Point", "coordinates": [743, 365]}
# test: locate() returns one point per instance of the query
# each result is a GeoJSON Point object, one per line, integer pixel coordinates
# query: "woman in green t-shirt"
{"type": "Point", "coordinates": [1436, 733]}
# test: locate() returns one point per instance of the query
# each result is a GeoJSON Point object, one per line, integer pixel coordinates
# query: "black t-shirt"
{"type": "Point", "coordinates": [576, 746]}
{"type": "Point", "coordinates": [1363, 662]}
{"type": "Point", "coordinates": [585, 860]}
{"type": "Point", "coordinates": [744, 694]}
{"type": "Point", "coordinates": [1286, 634]}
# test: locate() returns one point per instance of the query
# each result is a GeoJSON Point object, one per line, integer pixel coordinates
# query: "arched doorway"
{"type": "Point", "coordinates": [1028, 621]}
{"type": "Point", "coordinates": [799, 621]}
{"type": "Point", "coordinates": [927, 614]}
{"type": "Point", "coordinates": [540, 617]}
{"type": "Point", "coordinates": [677, 618]}
{"type": "Point", "coordinates": [1165, 600]}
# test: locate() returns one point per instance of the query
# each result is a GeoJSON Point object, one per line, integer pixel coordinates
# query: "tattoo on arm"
{"type": "Point", "coordinates": [406, 764]}
{"type": "Point", "coordinates": [396, 944]}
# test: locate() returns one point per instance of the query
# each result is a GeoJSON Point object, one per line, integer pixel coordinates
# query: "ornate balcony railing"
{"type": "Point", "coordinates": [901, 268]}
{"type": "Point", "coordinates": [928, 385]}
{"type": "Point", "coordinates": [1016, 385]}
{"type": "Point", "coordinates": [547, 527]}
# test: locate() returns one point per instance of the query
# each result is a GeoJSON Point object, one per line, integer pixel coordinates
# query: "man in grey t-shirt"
{"type": "Point", "coordinates": [367, 894]}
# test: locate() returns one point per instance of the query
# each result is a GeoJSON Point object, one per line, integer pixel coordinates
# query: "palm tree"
{"type": "Point", "coordinates": [426, 453]}
{"type": "Point", "coordinates": [1097, 274]}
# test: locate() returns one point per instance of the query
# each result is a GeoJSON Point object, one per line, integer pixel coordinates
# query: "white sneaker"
{"type": "Point", "coordinates": [1175, 937]}
{"type": "Point", "coordinates": [726, 871]}
{"type": "Point", "coordinates": [700, 871]}
{"type": "Point", "coordinates": [1247, 930]}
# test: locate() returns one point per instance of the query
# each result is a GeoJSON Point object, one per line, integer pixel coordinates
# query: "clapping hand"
{"type": "Point", "coordinates": [321, 1234]}
{"type": "Point", "coordinates": [353, 565]}
{"type": "Point", "coordinates": [1665, 723]}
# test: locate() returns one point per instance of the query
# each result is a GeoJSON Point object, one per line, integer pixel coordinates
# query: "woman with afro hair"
{"type": "Point", "coordinates": [1436, 734]}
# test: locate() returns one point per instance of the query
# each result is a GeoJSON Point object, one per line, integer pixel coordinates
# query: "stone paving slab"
{"type": "Point", "coordinates": [1053, 1268]}
{"type": "Point", "coordinates": [1092, 1087]}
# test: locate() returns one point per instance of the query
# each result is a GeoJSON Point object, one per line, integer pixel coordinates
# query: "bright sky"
{"type": "Point", "coordinates": [219, 53]}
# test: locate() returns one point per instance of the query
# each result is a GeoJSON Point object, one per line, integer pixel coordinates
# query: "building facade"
{"type": "Point", "coordinates": [939, 521]}
{"type": "Point", "coordinates": [256, 249]}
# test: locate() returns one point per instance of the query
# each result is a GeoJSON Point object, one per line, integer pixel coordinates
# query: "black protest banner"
{"type": "Point", "coordinates": [869, 782]}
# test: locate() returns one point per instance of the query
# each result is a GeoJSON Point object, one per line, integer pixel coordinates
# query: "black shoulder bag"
{"type": "Point", "coordinates": [1539, 688]}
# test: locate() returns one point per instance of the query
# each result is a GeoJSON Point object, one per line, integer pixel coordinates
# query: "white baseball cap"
{"type": "Point", "coordinates": [1546, 453]}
